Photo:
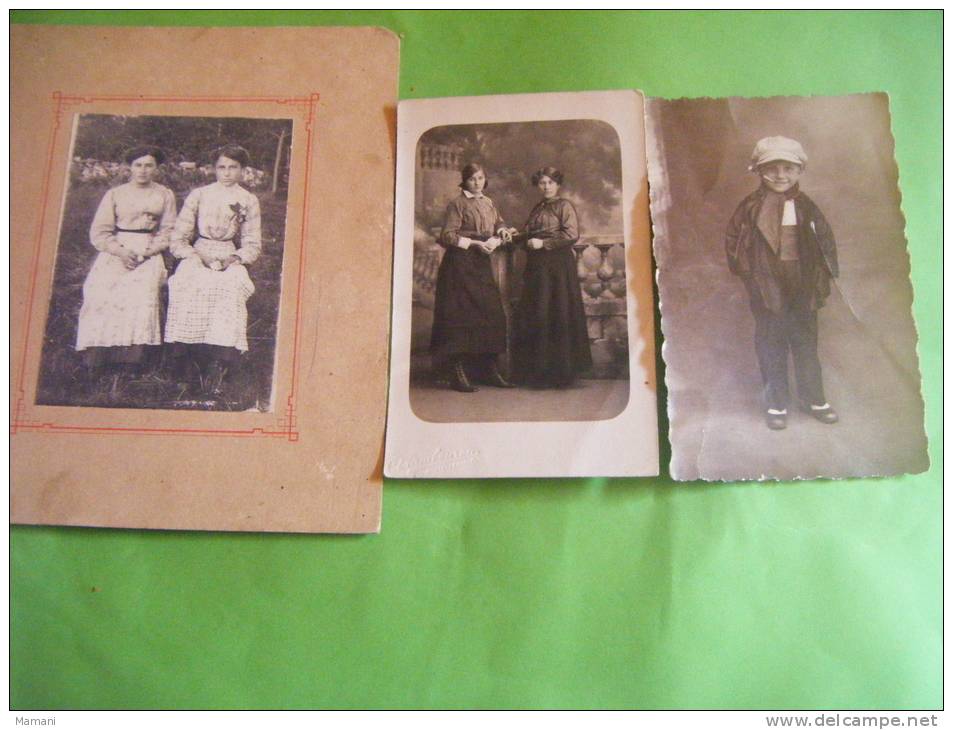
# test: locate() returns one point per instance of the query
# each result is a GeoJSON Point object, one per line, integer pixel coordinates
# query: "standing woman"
{"type": "Point", "coordinates": [119, 318]}
{"type": "Point", "coordinates": [469, 327]}
{"type": "Point", "coordinates": [217, 234]}
{"type": "Point", "coordinates": [552, 340]}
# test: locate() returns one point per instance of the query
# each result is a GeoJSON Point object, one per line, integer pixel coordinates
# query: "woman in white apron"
{"type": "Point", "coordinates": [217, 234]}
{"type": "Point", "coordinates": [119, 318]}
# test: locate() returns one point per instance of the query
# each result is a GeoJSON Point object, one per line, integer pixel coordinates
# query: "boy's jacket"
{"type": "Point", "coordinates": [750, 256]}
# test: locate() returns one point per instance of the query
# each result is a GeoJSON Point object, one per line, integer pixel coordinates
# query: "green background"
{"type": "Point", "coordinates": [622, 593]}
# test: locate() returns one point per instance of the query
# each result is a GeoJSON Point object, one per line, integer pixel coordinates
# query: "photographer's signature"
{"type": "Point", "coordinates": [441, 458]}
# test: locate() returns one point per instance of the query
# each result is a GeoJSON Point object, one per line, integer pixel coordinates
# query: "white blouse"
{"type": "Point", "coordinates": [219, 213]}
{"type": "Point", "coordinates": [130, 207]}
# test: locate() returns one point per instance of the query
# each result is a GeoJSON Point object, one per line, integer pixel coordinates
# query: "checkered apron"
{"type": "Point", "coordinates": [208, 306]}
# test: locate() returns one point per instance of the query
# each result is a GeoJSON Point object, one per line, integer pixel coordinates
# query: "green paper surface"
{"type": "Point", "coordinates": [600, 593]}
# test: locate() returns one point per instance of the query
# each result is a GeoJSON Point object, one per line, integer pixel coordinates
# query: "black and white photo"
{"type": "Point", "coordinates": [522, 284]}
{"type": "Point", "coordinates": [168, 270]}
{"type": "Point", "coordinates": [519, 273]}
{"type": "Point", "coordinates": [790, 347]}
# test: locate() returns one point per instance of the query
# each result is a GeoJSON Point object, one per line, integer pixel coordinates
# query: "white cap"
{"type": "Point", "coordinates": [770, 149]}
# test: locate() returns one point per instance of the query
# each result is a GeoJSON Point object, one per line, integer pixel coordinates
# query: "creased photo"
{"type": "Point", "coordinates": [783, 276]}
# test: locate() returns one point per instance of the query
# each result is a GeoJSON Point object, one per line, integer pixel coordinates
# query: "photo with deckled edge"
{"type": "Point", "coordinates": [784, 287]}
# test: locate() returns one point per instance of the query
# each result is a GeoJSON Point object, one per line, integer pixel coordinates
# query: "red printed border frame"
{"type": "Point", "coordinates": [287, 424]}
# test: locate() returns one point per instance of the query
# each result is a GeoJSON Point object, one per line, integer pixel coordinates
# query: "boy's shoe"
{"type": "Point", "coordinates": [776, 420]}
{"type": "Point", "coordinates": [824, 413]}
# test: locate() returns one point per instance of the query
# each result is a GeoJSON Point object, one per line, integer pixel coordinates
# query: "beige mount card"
{"type": "Point", "coordinates": [129, 406]}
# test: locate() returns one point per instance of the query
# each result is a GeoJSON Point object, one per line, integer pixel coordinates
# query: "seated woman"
{"type": "Point", "coordinates": [469, 326]}
{"type": "Point", "coordinates": [552, 340]}
{"type": "Point", "coordinates": [217, 234]}
{"type": "Point", "coordinates": [119, 318]}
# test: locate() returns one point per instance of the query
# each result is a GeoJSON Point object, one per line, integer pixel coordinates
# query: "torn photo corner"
{"type": "Point", "coordinates": [187, 302]}
{"type": "Point", "coordinates": [523, 331]}
{"type": "Point", "coordinates": [784, 287]}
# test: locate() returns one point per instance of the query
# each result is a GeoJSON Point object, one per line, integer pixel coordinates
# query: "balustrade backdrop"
{"type": "Point", "coordinates": [587, 152]}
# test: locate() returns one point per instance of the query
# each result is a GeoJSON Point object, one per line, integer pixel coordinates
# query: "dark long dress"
{"type": "Point", "coordinates": [552, 340]}
{"type": "Point", "coordinates": [468, 310]}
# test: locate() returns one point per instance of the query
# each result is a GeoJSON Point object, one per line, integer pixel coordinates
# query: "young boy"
{"type": "Point", "coordinates": [781, 246]}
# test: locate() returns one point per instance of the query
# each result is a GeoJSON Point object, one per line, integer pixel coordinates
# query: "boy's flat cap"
{"type": "Point", "coordinates": [770, 149]}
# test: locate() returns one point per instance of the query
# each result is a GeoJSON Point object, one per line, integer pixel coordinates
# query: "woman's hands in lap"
{"type": "Point", "coordinates": [129, 259]}
{"type": "Point", "coordinates": [217, 264]}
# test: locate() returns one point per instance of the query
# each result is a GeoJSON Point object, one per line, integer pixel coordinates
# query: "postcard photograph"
{"type": "Point", "coordinates": [784, 285]}
{"type": "Point", "coordinates": [522, 282]}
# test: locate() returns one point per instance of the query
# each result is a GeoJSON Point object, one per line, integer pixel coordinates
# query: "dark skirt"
{"type": "Point", "coordinates": [552, 340]}
{"type": "Point", "coordinates": [468, 311]}
{"type": "Point", "coordinates": [203, 353]}
{"type": "Point", "coordinates": [95, 357]}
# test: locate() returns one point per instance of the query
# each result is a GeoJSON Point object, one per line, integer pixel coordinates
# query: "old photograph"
{"type": "Point", "coordinates": [168, 270]}
{"type": "Point", "coordinates": [522, 288]}
{"type": "Point", "coordinates": [790, 346]}
{"type": "Point", "coordinates": [519, 273]}
{"type": "Point", "coordinates": [198, 260]}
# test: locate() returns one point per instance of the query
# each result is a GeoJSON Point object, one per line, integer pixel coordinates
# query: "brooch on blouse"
{"type": "Point", "coordinates": [240, 212]}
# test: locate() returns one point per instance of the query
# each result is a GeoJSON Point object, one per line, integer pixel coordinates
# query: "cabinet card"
{"type": "Point", "coordinates": [201, 253]}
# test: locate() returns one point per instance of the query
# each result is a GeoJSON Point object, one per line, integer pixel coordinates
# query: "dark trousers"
{"type": "Point", "coordinates": [792, 329]}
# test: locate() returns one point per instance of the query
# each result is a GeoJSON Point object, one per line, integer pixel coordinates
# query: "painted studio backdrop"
{"type": "Point", "coordinates": [587, 153]}
{"type": "Point", "coordinates": [699, 156]}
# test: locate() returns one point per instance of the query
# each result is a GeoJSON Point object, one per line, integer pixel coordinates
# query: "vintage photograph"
{"type": "Point", "coordinates": [167, 278]}
{"type": "Point", "coordinates": [198, 261]}
{"type": "Point", "coordinates": [523, 328]}
{"type": "Point", "coordinates": [784, 285]}
{"type": "Point", "coordinates": [519, 307]}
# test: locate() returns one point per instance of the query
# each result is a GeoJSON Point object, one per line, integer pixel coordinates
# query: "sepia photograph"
{"type": "Point", "coordinates": [198, 261]}
{"type": "Point", "coordinates": [784, 286]}
{"type": "Point", "coordinates": [522, 316]}
{"type": "Point", "coordinates": [519, 310]}
{"type": "Point", "coordinates": [167, 277]}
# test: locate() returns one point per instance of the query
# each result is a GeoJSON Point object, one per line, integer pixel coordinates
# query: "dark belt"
{"type": "Point", "coordinates": [134, 230]}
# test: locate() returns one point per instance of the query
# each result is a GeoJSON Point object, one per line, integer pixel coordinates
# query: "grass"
{"type": "Point", "coordinates": [62, 378]}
